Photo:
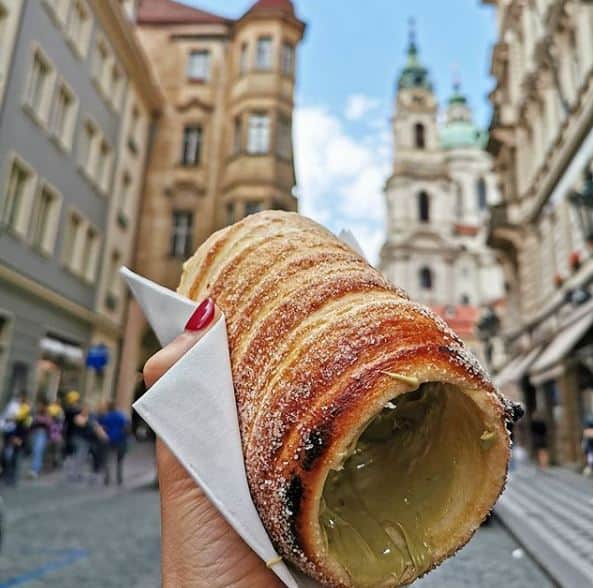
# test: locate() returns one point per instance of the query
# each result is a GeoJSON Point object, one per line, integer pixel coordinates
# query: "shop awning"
{"type": "Point", "coordinates": [56, 349]}
{"type": "Point", "coordinates": [517, 368]}
{"type": "Point", "coordinates": [563, 343]}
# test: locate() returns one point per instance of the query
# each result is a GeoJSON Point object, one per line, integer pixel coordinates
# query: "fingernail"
{"type": "Point", "coordinates": [202, 316]}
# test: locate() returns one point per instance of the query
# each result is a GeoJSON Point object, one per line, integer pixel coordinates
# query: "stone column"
{"type": "Point", "coordinates": [569, 428]}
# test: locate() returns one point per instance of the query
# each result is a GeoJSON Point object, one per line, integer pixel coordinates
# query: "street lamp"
{"type": "Point", "coordinates": [583, 204]}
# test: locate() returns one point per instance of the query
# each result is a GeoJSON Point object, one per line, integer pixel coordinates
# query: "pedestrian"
{"type": "Point", "coordinates": [15, 423]}
{"type": "Point", "coordinates": [83, 436]}
{"type": "Point", "coordinates": [71, 409]}
{"type": "Point", "coordinates": [116, 425]}
{"type": "Point", "coordinates": [39, 435]}
{"type": "Point", "coordinates": [539, 435]}
{"type": "Point", "coordinates": [55, 442]}
{"type": "Point", "coordinates": [588, 445]}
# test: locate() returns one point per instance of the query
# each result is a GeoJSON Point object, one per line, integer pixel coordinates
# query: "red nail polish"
{"type": "Point", "coordinates": [202, 316]}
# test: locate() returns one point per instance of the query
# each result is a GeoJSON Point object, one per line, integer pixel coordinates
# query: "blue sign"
{"type": "Point", "coordinates": [97, 357]}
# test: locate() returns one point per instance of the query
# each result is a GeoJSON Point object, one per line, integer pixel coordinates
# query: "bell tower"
{"type": "Point", "coordinates": [415, 120]}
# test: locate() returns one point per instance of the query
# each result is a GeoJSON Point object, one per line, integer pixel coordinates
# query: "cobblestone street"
{"type": "Point", "coordinates": [60, 536]}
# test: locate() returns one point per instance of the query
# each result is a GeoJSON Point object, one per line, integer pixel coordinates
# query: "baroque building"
{"type": "Point", "coordinates": [542, 142]}
{"type": "Point", "coordinates": [437, 205]}
{"type": "Point", "coordinates": [77, 104]}
{"type": "Point", "coordinates": [223, 148]}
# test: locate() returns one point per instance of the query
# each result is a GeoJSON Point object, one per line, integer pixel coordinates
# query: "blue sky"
{"type": "Point", "coordinates": [347, 67]}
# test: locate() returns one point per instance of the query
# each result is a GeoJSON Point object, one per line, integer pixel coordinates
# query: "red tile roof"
{"type": "Point", "coordinates": [170, 12]}
{"type": "Point", "coordinates": [461, 318]}
{"type": "Point", "coordinates": [273, 5]}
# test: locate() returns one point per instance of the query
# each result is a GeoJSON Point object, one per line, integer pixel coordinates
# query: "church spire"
{"type": "Point", "coordinates": [414, 74]}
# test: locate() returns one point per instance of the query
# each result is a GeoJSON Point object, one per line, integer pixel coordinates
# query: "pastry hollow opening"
{"type": "Point", "coordinates": [406, 495]}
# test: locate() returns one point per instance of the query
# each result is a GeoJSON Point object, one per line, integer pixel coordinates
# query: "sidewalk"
{"type": "Point", "coordinates": [51, 492]}
{"type": "Point", "coordinates": [551, 514]}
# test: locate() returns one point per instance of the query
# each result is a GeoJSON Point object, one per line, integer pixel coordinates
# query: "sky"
{"type": "Point", "coordinates": [347, 68]}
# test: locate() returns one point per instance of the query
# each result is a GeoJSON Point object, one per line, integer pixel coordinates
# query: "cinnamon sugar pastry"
{"type": "Point", "coordinates": [374, 443]}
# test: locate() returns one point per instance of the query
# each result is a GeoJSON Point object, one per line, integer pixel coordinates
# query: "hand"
{"type": "Point", "coordinates": [199, 549]}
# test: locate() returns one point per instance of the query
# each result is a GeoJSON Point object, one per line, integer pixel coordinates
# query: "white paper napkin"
{"type": "Point", "coordinates": [192, 409]}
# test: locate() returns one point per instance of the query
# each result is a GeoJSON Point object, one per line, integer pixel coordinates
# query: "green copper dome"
{"type": "Point", "coordinates": [414, 74]}
{"type": "Point", "coordinates": [461, 133]}
{"type": "Point", "coordinates": [460, 130]}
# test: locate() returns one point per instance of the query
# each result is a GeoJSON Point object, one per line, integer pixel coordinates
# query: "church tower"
{"type": "Point", "coordinates": [437, 198]}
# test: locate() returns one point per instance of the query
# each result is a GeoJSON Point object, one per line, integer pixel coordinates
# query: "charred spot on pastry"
{"type": "Point", "coordinates": [314, 446]}
{"type": "Point", "coordinates": [293, 497]}
{"type": "Point", "coordinates": [515, 411]}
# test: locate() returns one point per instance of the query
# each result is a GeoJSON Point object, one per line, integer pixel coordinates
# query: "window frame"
{"type": "Point", "coordinates": [186, 234]}
{"type": "Point", "coordinates": [259, 135]}
{"type": "Point", "coordinates": [22, 216]}
{"type": "Point", "coordinates": [419, 135]}
{"type": "Point", "coordinates": [426, 279]}
{"type": "Point", "coordinates": [40, 112]}
{"type": "Point", "coordinates": [47, 243]}
{"type": "Point", "coordinates": [284, 137]}
{"type": "Point", "coordinates": [79, 43]}
{"type": "Point", "coordinates": [196, 160]}
{"type": "Point", "coordinates": [65, 138]}
{"type": "Point", "coordinates": [287, 65]}
{"type": "Point", "coordinates": [268, 63]}
{"type": "Point", "coordinates": [207, 65]}
{"type": "Point", "coordinates": [243, 58]}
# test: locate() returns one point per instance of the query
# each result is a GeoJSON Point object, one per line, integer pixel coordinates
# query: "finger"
{"type": "Point", "coordinates": [161, 361]}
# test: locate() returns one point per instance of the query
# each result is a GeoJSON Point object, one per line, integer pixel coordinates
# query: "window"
{"type": "Point", "coordinates": [90, 254]}
{"type": "Point", "coordinates": [113, 281]}
{"type": "Point", "coordinates": [237, 135]}
{"type": "Point", "coordinates": [44, 224]}
{"type": "Point", "coordinates": [198, 65]}
{"type": "Point", "coordinates": [252, 206]}
{"type": "Point", "coordinates": [116, 87]}
{"type": "Point", "coordinates": [465, 300]}
{"type": "Point", "coordinates": [71, 240]}
{"type": "Point", "coordinates": [103, 166]}
{"type": "Point", "coordinates": [38, 93]}
{"type": "Point", "coordinates": [181, 233]}
{"type": "Point", "coordinates": [284, 144]}
{"type": "Point", "coordinates": [243, 58]}
{"type": "Point", "coordinates": [62, 125]}
{"type": "Point", "coordinates": [123, 197]}
{"type": "Point", "coordinates": [16, 193]}
{"type": "Point", "coordinates": [79, 26]}
{"type": "Point", "coordinates": [426, 281]}
{"type": "Point", "coordinates": [419, 136]}
{"type": "Point", "coordinates": [287, 59]}
{"type": "Point", "coordinates": [263, 57]}
{"type": "Point", "coordinates": [100, 62]}
{"type": "Point", "coordinates": [87, 146]}
{"type": "Point", "coordinates": [258, 140]}
{"type": "Point", "coordinates": [133, 130]}
{"type": "Point", "coordinates": [423, 207]}
{"type": "Point", "coordinates": [230, 213]}
{"type": "Point", "coordinates": [481, 194]}
{"type": "Point", "coordinates": [192, 143]}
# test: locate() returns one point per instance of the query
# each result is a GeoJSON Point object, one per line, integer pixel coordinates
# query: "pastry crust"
{"type": "Point", "coordinates": [313, 329]}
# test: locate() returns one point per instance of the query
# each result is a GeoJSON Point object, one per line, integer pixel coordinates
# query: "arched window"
{"type": "Point", "coordinates": [425, 278]}
{"type": "Point", "coordinates": [419, 138]}
{"type": "Point", "coordinates": [481, 194]}
{"type": "Point", "coordinates": [423, 207]}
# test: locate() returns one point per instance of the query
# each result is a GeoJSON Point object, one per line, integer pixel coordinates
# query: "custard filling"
{"type": "Point", "coordinates": [413, 470]}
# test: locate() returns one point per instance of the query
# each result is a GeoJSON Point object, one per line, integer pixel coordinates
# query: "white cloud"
{"type": "Point", "coordinates": [340, 177]}
{"type": "Point", "coordinates": [358, 105]}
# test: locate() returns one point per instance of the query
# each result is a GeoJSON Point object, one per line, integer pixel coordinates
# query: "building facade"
{"type": "Point", "coordinates": [77, 101]}
{"type": "Point", "coordinates": [542, 142]}
{"type": "Point", "coordinates": [223, 149]}
{"type": "Point", "coordinates": [437, 205]}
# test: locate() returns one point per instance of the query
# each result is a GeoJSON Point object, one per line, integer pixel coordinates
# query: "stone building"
{"type": "Point", "coordinates": [437, 205]}
{"type": "Point", "coordinates": [77, 101]}
{"type": "Point", "coordinates": [223, 149]}
{"type": "Point", "coordinates": [542, 141]}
